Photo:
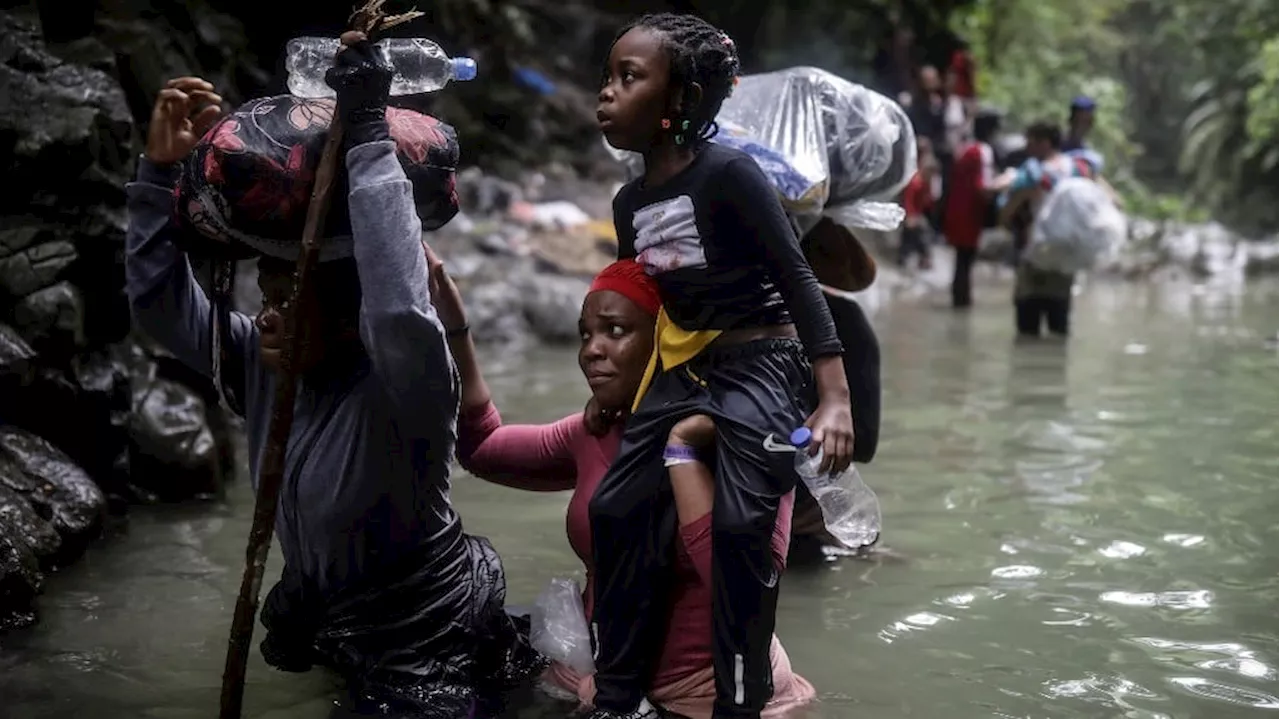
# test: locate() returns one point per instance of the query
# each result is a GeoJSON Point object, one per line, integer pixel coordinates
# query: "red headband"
{"type": "Point", "coordinates": [628, 278]}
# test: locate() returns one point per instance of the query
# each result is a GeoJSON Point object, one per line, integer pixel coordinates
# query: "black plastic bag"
{"type": "Point", "coordinates": [429, 639]}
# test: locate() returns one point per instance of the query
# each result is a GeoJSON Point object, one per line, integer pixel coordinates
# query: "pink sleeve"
{"type": "Point", "coordinates": [696, 537]}
{"type": "Point", "coordinates": [524, 456]}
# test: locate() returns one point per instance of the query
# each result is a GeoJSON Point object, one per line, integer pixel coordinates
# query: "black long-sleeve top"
{"type": "Point", "coordinates": [725, 256]}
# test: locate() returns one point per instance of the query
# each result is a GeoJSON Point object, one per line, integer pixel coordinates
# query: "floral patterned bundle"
{"type": "Point", "coordinates": [246, 187]}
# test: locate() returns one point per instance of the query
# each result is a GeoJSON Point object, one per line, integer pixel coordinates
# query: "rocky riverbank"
{"type": "Point", "coordinates": [93, 417]}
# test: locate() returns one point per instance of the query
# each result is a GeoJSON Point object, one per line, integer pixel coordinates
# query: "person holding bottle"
{"type": "Point", "coordinates": [379, 583]}
{"type": "Point", "coordinates": [744, 336]}
{"type": "Point", "coordinates": [573, 454]}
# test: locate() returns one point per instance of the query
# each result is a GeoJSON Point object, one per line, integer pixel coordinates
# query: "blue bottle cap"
{"type": "Point", "coordinates": [801, 437]}
{"type": "Point", "coordinates": [464, 68]}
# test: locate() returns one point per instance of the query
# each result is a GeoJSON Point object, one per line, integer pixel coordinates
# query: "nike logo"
{"type": "Point", "coordinates": [771, 444]}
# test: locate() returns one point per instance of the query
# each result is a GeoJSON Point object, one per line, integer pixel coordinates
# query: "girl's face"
{"type": "Point", "coordinates": [617, 339]}
{"type": "Point", "coordinates": [635, 93]}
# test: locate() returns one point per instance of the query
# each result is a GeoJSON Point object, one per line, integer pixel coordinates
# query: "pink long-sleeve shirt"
{"type": "Point", "coordinates": [564, 456]}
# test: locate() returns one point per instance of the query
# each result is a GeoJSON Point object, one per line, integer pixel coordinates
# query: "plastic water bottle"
{"type": "Point", "coordinates": [420, 65]}
{"type": "Point", "coordinates": [849, 507]}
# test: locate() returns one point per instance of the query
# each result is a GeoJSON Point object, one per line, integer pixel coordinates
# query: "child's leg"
{"type": "Point", "coordinates": [756, 402]}
{"type": "Point", "coordinates": [744, 583]}
{"type": "Point", "coordinates": [633, 529]}
{"type": "Point", "coordinates": [691, 480]}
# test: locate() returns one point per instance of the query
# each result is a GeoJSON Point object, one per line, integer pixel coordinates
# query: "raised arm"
{"type": "Point", "coordinates": [532, 457]}
{"type": "Point", "coordinates": [164, 298]}
{"type": "Point", "coordinates": [398, 327]}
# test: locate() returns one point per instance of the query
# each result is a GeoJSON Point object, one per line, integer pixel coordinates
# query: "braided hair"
{"type": "Point", "coordinates": [700, 53]}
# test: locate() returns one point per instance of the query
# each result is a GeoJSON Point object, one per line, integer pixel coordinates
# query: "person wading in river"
{"type": "Point", "coordinates": [969, 198]}
{"type": "Point", "coordinates": [1041, 297]}
{"type": "Point", "coordinates": [616, 326]}
{"type": "Point", "coordinates": [707, 225]}
{"type": "Point", "coordinates": [379, 580]}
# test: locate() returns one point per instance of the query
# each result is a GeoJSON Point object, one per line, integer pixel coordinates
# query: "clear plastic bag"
{"type": "Point", "coordinates": [830, 147]}
{"type": "Point", "coordinates": [1076, 225]}
{"type": "Point", "coordinates": [558, 626]}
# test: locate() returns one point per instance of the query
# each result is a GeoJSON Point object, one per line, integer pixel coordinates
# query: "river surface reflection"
{"type": "Point", "coordinates": [1078, 530]}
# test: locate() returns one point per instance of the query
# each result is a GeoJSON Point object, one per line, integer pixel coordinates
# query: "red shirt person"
{"type": "Point", "coordinates": [972, 187]}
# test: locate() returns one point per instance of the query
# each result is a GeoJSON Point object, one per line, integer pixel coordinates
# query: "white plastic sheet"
{"type": "Point", "coordinates": [558, 626]}
{"type": "Point", "coordinates": [1076, 225]}
{"type": "Point", "coordinates": [830, 147]}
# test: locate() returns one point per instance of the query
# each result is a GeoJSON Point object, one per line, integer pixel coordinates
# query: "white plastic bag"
{"type": "Point", "coordinates": [558, 626]}
{"type": "Point", "coordinates": [829, 146]}
{"type": "Point", "coordinates": [1076, 225]}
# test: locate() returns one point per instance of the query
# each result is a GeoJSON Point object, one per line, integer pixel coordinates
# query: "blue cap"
{"type": "Point", "coordinates": [464, 68]}
{"type": "Point", "coordinates": [801, 437]}
{"type": "Point", "coordinates": [1083, 102]}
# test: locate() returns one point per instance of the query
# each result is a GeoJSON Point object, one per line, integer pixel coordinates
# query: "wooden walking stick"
{"type": "Point", "coordinates": [368, 19]}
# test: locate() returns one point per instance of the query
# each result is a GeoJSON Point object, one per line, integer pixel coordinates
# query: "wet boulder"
{"type": "Point", "coordinates": [17, 359]}
{"type": "Point", "coordinates": [69, 125]}
{"type": "Point", "coordinates": [105, 401]}
{"type": "Point", "coordinates": [57, 488]}
{"type": "Point", "coordinates": [52, 318]}
{"type": "Point", "coordinates": [32, 258]}
{"type": "Point", "coordinates": [20, 521]}
{"type": "Point", "coordinates": [20, 581]}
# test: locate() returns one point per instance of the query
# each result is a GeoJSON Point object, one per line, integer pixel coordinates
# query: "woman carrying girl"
{"type": "Point", "coordinates": [706, 224]}
{"type": "Point", "coordinates": [616, 324]}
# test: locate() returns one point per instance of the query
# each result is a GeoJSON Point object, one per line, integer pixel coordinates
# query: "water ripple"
{"type": "Point", "coordinates": [1227, 693]}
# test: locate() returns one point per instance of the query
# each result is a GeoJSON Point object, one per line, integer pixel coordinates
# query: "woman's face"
{"type": "Point", "coordinates": [276, 283]}
{"type": "Point", "coordinates": [331, 317]}
{"type": "Point", "coordinates": [617, 339]}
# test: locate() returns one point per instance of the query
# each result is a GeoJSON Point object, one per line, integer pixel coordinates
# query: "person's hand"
{"type": "Point", "coordinates": [361, 79]}
{"type": "Point", "coordinates": [444, 293]}
{"type": "Point", "coordinates": [599, 421]}
{"type": "Point", "coordinates": [184, 111]}
{"type": "Point", "coordinates": [832, 427]}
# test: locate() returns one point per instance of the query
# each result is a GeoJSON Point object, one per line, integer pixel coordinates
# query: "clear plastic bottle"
{"type": "Point", "coordinates": [420, 65]}
{"type": "Point", "coordinates": [850, 509]}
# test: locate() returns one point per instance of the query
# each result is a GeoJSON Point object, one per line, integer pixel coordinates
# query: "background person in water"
{"type": "Point", "coordinates": [379, 581]}
{"type": "Point", "coordinates": [710, 229]}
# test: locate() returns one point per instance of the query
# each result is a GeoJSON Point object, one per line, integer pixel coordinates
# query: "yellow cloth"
{"type": "Point", "coordinates": [672, 347]}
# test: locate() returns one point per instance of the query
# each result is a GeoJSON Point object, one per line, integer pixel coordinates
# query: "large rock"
{"type": "Point", "coordinates": [56, 487]}
{"type": "Point", "coordinates": [71, 135]}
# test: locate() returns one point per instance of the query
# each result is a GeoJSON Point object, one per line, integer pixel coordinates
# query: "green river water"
{"type": "Point", "coordinates": [1085, 530]}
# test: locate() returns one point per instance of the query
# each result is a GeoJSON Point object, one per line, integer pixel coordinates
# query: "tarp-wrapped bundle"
{"type": "Point", "coordinates": [831, 147]}
{"type": "Point", "coordinates": [1075, 226]}
{"type": "Point", "coordinates": [248, 183]}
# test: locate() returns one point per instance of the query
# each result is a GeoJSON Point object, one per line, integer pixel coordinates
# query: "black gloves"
{"type": "Point", "coordinates": [362, 81]}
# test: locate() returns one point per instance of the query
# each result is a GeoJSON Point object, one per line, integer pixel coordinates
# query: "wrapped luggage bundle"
{"type": "Point", "coordinates": [1076, 225]}
{"type": "Point", "coordinates": [831, 147]}
{"type": "Point", "coordinates": [247, 186]}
